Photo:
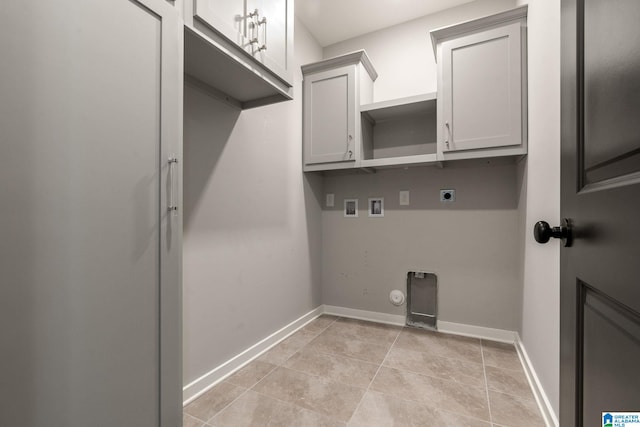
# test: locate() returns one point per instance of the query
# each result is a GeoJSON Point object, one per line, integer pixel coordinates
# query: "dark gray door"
{"type": "Point", "coordinates": [600, 272]}
{"type": "Point", "coordinates": [90, 95]}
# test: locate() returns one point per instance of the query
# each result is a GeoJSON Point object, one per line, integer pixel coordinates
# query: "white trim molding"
{"type": "Point", "coordinates": [482, 332]}
{"type": "Point", "coordinates": [550, 417]}
{"type": "Point", "coordinates": [371, 316]}
{"type": "Point", "coordinates": [196, 388]}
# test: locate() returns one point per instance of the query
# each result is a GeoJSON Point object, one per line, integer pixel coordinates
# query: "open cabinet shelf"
{"type": "Point", "coordinates": [400, 132]}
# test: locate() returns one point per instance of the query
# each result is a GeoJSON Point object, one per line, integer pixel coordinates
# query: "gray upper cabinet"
{"type": "Point", "coordinates": [482, 87]}
{"type": "Point", "coordinates": [241, 50]}
{"type": "Point", "coordinates": [334, 89]}
{"type": "Point", "coordinates": [330, 101]}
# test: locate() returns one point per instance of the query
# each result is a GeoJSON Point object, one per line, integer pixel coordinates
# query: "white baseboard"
{"type": "Point", "coordinates": [492, 334]}
{"type": "Point", "coordinates": [372, 316]}
{"type": "Point", "coordinates": [447, 327]}
{"type": "Point", "coordinates": [196, 388]}
{"type": "Point", "coordinates": [550, 417]}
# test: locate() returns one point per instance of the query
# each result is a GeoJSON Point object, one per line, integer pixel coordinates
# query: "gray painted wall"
{"type": "Point", "coordinates": [472, 244]}
{"type": "Point", "coordinates": [219, 256]}
{"type": "Point", "coordinates": [541, 178]}
{"type": "Point", "coordinates": [252, 223]}
{"type": "Point", "coordinates": [402, 54]}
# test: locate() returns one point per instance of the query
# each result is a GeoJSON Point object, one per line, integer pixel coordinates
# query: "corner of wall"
{"type": "Point", "coordinates": [252, 241]}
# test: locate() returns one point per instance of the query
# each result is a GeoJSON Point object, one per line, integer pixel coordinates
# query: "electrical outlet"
{"type": "Point", "coordinates": [447, 196]}
{"type": "Point", "coordinates": [330, 200]}
{"type": "Point", "coordinates": [404, 198]}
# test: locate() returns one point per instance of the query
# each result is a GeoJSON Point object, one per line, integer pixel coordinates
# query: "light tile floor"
{"type": "Point", "coordinates": [344, 372]}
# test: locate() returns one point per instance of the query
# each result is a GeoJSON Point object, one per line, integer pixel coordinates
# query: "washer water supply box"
{"type": "Point", "coordinates": [422, 299]}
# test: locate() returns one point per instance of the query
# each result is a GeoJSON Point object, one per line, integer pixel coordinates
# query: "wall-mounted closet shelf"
{"type": "Point", "coordinates": [395, 108]}
{"type": "Point", "coordinates": [240, 80]}
{"type": "Point", "coordinates": [404, 161]}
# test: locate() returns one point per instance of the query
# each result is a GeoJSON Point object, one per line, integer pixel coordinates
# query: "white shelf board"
{"type": "Point", "coordinates": [420, 159]}
{"type": "Point", "coordinates": [236, 79]}
{"type": "Point", "coordinates": [319, 167]}
{"type": "Point", "coordinates": [401, 107]}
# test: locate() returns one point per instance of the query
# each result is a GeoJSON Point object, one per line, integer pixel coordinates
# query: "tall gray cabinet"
{"type": "Point", "coordinates": [90, 293]}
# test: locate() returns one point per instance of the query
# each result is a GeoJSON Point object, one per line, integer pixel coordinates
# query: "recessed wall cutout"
{"type": "Point", "coordinates": [376, 207]}
{"type": "Point", "coordinates": [351, 208]}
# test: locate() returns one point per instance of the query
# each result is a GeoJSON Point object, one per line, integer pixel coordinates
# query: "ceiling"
{"type": "Point", "coordinates": [332, 21]}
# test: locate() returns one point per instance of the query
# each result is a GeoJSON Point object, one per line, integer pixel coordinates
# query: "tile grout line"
{"type": "Point", "coordinates": [486, 382]}
{"type": "Point", "coordinates": [295, 405]}
{"type": "Point", "coordinates": [246, 389]}
{"type": "Point", "coordinates": [195, 418]}
{"type": "Point", "coordinates": [517, 397]}
{"type": "Point", "coordinates": [275, 366]}
{"type": "Point", "coordinates": [317, 334]}
{"type": "Point", "coordinates": [228, 404]}
{"type": "Point", "coordinates": [350, 357]}
{"type": "Point", "coordinates": [307, 343]}
{"type": "Point", "coordinates": [376, 374]}
{"type": "Point", "coordinates": [431, 376]}
{"type": "Point", "coordinates": [405, 399]}
{"type": "Point", "coordinates": [292, 404]}
{"type": "Point", "coordinates": [281, 365]}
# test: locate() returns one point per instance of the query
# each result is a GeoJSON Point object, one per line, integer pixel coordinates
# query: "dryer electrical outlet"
{"type": "Point", "coordinates": [447, 196]}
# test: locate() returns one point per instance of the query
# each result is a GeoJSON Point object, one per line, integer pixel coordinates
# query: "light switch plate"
{"type": "Point", "coordinates": [330, 200]}
{"type": "Point", "coordinates": [404, 198]}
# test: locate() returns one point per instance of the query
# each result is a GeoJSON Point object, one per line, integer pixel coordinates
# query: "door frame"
{"type": "Point", "coordinates": [171, 135]}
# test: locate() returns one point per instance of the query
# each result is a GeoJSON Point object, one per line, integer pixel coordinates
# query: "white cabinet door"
{"type": "Point", "coordinates": [482, 90]}
{"type": "Point", "coordinates": [227, 17]}
{"type": "Point", "coordinates": [329, 116]}
{"type": "Point", "coordinates": [270, 34]}
{"type": "Point", "coordinates": [90, 96]}
{"type": "Point", "coordinates": [261, 28]}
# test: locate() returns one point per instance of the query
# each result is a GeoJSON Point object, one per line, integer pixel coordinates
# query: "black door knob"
{"type": "Point", "coordinates": [542, 232]}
